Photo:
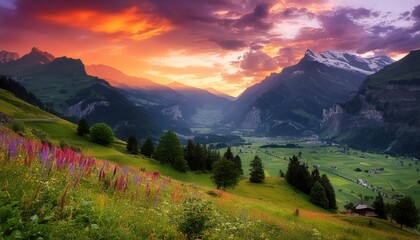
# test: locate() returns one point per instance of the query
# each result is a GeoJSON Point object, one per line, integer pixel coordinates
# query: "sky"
{"type": "Point", "coordinates": [228, 45]}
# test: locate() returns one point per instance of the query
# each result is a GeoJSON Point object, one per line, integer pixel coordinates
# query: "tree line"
{"type": "Point", "coordinates": [311, 183]}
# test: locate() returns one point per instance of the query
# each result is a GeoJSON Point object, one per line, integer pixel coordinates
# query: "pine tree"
{"type": "Point", "coordinates": [405, 212]}
{"type": "Point", "coordinates": [189, 155]}
{"type": "Point", "coordinates": [225, 174]}
{"type": "Point", "coordinates": [238, 163]}
{"type": "Point", "coordinates": [329, 191]}
{"type": "Point", "coordinates": [148, 149]}
{"type": "Point", "coordinates": [292, 170]}
{"type": "Point", "coordinates": [318, 195]}
{"type": "Point", "coordinates": [303, 179]}
{"type": "Point", "coordinates": [83, 127]}
{"type": "Point", "coordinates": [228, 154]}
{"type": "Point", "coordinates": [314, 176]}
{"type": "Point", "coordinates": [200, 156]}
{"type": "Point", "coordinates": [132, 146]}
{"type": "Point", "coordinates": [256, 174]}
{"type": "Point", "coordinates": [379, 206]}
{"type": "Point", "coordinates": [169, 151]}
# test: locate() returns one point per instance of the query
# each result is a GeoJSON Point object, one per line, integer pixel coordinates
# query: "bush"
{"type": "Point", "coordinates": [18, 127]}
{"type": "Point", "coordinates": [101, 133]}
{"type": "Point", "coordinates": [195, 217]}
{"type": "Point", "coordinates": [42, 136]}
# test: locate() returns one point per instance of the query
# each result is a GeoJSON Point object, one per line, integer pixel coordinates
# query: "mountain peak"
{"type": "Point", "coordinates": [40, 56]}
{"type": "Point", "coordinates": [348, 61]}
{"type": "Point", "coordinates": [6, 56]}
{"type": "Point", "coordinates": [309, 53]}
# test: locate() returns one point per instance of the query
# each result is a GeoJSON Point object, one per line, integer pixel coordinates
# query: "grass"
{"type": "Point", "coordinates": [257, 211]}
{"type": "Point", "coordinates": [395, 179]}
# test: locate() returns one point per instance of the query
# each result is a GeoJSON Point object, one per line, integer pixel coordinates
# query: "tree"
{"type": "Point", "coordinates": [228, 154]}
{"type": "Point", "coordinates": [101, 133]}
{"type": "Point", "coordinates": [349, 206]}
{"type": "Point", "coordinates": [189, 155]}
{"type": "Point", "coordinates": [329, 191]}
{"type": "Point", "coordinates": [200, 155]}
{"type": "Point", "coordinates": [256, 174]}
{"type": "Point", "coordinates": [169, 151]}
{"type": "Point", "coordinates": [405, 212]}
{"type": "Point", "coordinates": [147, 149]}
{"type": "Point", "coordinates": [238, 163]}
{"type": "Point", "coordinates": [298, 175]}
{"type": "Point", "coordinates": [132, 146]}
{"type": "Point", "coordinates": [82, 127]}
{"type": "Point", "coordinates": [379, 206]}
{"type": "Point", "coordinates": [318, 195]}
{"type": "Point", "coordinates": [292, 170]}
{"type": "Point", "coordinates": [225, 174]}
{"type": "Point", "coordinates": [314, 176]}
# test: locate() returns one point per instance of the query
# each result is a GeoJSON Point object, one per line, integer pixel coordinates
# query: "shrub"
{"type": "Point", "coordinates": [195, 217]}
{"type": "Point", "coordinates": [101, 133]}
{"type": "Point", "coordinates": [18, 127]}
{"type": "Point", "coordinates": [42, 136]}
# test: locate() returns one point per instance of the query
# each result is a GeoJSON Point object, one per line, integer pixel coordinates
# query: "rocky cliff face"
{"type": "Point", "coordinates": [384, 115]}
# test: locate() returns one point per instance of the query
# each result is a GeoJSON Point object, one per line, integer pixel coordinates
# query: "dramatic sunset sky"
{"type": "Point", "coordinates": [225, 44]}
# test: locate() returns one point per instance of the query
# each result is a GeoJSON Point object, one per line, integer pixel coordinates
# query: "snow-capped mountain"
{"type": "Point", "coordinates": [292, 101]}
{"type": "Point", "coordinates": [347, 61]}
{"type": "Point", "coordinates": [6, 56]}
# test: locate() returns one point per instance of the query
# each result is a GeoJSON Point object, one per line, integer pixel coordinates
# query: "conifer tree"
{"type": "Point", "coordinates": [238, 163]}
{"type": "Point", "coordinates": [83, 127]}
{"type": "Point", "coordinates": [329, 191]}
{"type": "Point", "coordinates": [228, 154]}
{"type": "Point", "coordinates": [132, 146]}
{"type": "Point", "coordinates": [379, 206]}
{"type": "Point", "coordinates": [189, 155]}
{"type": "Point", "coordinates": [256, 174]}
{"type": "Point", "coordinates": [318, 195]}
{"type": "Point", "coordinates": [148, 149]}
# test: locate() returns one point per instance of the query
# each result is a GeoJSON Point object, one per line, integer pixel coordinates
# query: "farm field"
{"type": "Point", "coordinates": [399, 176]}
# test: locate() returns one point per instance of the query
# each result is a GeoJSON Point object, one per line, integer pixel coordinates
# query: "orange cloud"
{"type": "Point", "coordinates": [131, 23]}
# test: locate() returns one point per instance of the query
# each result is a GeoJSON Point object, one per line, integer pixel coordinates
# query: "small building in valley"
{"type": "Point", "coordinates": [365, 210]}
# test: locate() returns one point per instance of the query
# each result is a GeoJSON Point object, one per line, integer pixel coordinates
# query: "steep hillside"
{"type": "Point", "coordinates": [385, 113]}
{"type": "Point", "coordinates": [70, 199]}
{"type": "Point", "coordinates": [291, 102]}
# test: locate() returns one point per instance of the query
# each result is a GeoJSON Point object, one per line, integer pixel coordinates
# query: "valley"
{"type": "Point", "coordinates": [267, 209]}
{"type": "Point", "coordinates": [210, 120]}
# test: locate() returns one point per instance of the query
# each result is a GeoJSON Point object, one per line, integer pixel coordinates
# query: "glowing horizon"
{"type": "Point", "coordinates": [227, 45]}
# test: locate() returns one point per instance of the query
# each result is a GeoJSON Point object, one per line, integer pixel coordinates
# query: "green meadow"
{"type": "Point", "coordinates": [249, 211]}
{"type": "Point", "coordinates": [400, 174]}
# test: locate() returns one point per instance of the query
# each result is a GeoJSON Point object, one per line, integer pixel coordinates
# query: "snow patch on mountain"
{"type": "Point", "coordinates": [350, 62]}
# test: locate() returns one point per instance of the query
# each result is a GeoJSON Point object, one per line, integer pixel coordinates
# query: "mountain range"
{"type": "Point", "coordinates": [130, 105]}
{"type": "Point", "coordinates": [292, 102]}
{"type": "Point", "coordinates": [344, 97]}
{"type": "Point", "coordinates": [384, 115]}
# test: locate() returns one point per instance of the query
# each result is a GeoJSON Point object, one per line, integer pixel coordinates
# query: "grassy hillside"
{"type": "Point", "coordinates": [258, 211]}
{"type": "Point", "coordinates": [406, 69]}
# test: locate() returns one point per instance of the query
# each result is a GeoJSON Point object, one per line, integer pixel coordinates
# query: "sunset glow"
{"type": "Point", "coordinates": [227, 45]}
